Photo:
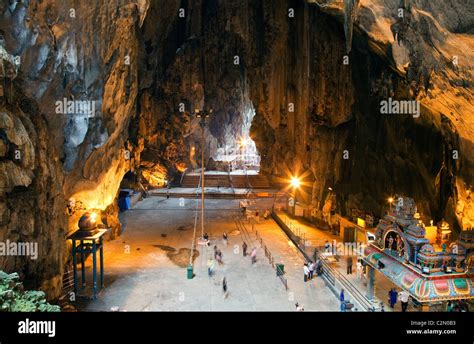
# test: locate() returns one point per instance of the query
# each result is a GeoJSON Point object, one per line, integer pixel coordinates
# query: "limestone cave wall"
{"type": "Point", "coordinates": [146, 65]}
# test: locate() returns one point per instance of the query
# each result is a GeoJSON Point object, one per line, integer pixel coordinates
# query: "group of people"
{"type": "Point", "coordinates": [253, 253]}
{"type": "Point", "coordinates": [457, 306]}
{"type": "Point", "coordinates": [359, 267]}
{"type": "Point", "coordinates": [310, 267]}
{"type": "Point", "coordinates": [218, 257]}
{"type": "Point", "coordinates": [394, 295]}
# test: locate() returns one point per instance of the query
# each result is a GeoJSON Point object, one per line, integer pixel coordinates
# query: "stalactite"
{"type": "Point", "coordinates": [350, 12]}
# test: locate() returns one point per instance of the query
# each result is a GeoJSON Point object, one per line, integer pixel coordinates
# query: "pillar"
{"type": "Point", "coordinates": [415, 256]}
{"type": "Point", "coordinates": [371, 283]}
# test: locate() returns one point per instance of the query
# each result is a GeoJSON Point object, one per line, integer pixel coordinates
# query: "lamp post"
{"type": "Point", "coordinates": [295, 183]}
{"type": "Point", "coordinates": [390, 200]}
{"type": "Point", "coordinates": [202, 115]}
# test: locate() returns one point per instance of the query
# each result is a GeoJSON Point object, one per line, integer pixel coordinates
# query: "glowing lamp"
{"type": "Point", "coordinates": [295, 182]}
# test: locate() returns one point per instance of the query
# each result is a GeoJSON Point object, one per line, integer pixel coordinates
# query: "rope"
{"type": "Point", "coordinates": [195, 225]}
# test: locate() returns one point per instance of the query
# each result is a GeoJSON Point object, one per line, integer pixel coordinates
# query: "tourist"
{"type": "Point", "coordinates": [319, 267]}
{"type": "Point", "coordinates": [311, 268]}
{"type": "Point", "coordinates": [463, 306]}
{"type": "Point", "coordinates": [266, 214]}
{"type": "Point", "coordinates": [219, 256]}
{"type": "Point", "coordinates": [349, 265]}
{"type": "Point", "coordinates": [342, 300]}
{"type": "Point", "coordinates": [224, 287]}
{"type": "Point", "coordinates": [359, 269]}
{"type": "Point", "coordinates": [244, 249]}
{"type": "Point", "coordinates": [327, 246]}
{"type": "Point", "coordinates": [392, 297]}
{"type": "Point", "coordinates": [306, 272]}
{"type": "Point", "coordinates": [449, 307]}
{"type": "Point", "coordinates": [225, 238]}
{"type": "Point", "coordinates": [299, 308]}
{"type": "Point", "coordinates": [210, 266]}
{"type": "Point", "coordinates": [215, 252]}
{"type": "Point", "coordinates": [253, 255]}
{"type": "Point", "coordinates": [403, 295]}
{"type": "Point", "coordinates": [206, 239]}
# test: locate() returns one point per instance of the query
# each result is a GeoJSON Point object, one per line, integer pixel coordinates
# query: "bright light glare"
{"type": "Point", "coordinates": [390, 200]}
{"type": "Point", "coordinates": [295, 182]}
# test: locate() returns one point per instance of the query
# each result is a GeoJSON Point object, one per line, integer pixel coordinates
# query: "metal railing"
{"type": "Point", "coordinates": [268, 254]}
{"type": "Point", "coordinates": [332, 276]}
{"type": "Point", "coordinates": [182, 176]}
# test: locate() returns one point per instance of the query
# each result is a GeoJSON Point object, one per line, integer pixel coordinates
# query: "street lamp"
{"type": "Point", "coordinates": [295, 183]}
{"type": "Point", "coordinates": [390, 200]}
{"type": "Point", "coordinates": [202, 115]}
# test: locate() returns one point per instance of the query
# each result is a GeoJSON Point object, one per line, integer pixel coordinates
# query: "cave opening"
{"type": "Point", "coordinates": [239, 152]}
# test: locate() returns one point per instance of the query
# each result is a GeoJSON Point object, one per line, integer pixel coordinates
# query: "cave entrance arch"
{"type": "Point", "coordinates": [239, 152]}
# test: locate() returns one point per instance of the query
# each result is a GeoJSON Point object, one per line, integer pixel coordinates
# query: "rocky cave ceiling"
{"type": "Point", "coordinates": [275, 68]}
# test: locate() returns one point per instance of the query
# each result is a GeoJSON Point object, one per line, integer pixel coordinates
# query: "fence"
{"type": "Point", "coordinates": [269, 256]}
{"type": "Point", "coordinates": [334, 279]}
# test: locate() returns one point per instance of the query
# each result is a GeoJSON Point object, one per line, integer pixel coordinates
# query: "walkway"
{"type": "Point", "coordinates": [145, 267]}
{"type": "Point", "coordinates": [316, 238]}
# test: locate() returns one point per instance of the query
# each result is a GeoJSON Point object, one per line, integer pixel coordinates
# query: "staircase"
{"type": "Point", "coordinates": [223, 181]}
{"type": "Point", "coordinates": [258, 181]}
{"type": "Point", "coordinates": [254, 181]}
{"type": "Point", "coordinates": [239, 181]}
{"type": "Point", "coordinates": [190, 181]}
{"type": "Point", "coordinates": [213, 180]}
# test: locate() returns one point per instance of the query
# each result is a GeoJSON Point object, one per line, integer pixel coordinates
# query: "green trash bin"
{"type": "Point", "coordinates": [280, 268]}
{"type": "Point", "coordinates": [190, 271]}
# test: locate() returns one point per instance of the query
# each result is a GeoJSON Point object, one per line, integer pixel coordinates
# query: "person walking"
{"type": "Point", "coordinates": [253, 255]}
{"type": "Point", "coordinates": [342, 300]}
{"type": "Point", "coordinates": [359, 269]}
{"type": "Point", "coordinates": [392, 297]}
{"type": "Point", "coordinates": [225, 238]}
{"type": "Point", "coordinates": [349, 265]}
{"type": "Point", "coordinates": [319, 267]}
{"type": "Point", "coordinates": [299, 308]}
{"type": "Point", "coordinates": [219, 257]}
{"type": "Point", "coordinates": [244, 249]}
{"type": "Point", "coordinates": [404, 296]}
{"type": "Point", "coordinates": [327, 246]}
{"type": "Point", "coordinates": [210, 266]}
{"type": "Point", "coordinates": [306, 272]}
{"type": "Point", "coordinates": [224, 287]}
{"type": "Point", "coordinates": [311, 268]}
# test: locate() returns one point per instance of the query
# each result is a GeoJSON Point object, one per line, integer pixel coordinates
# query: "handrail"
{"type": "Point", "coordinates": [267, 252]}
{"type": "Point", "coordinates": [182, 176]}
{"type": "Point", "coordinates": [361, 299]}
{"type": "Point", "coordinates": [348, 286]}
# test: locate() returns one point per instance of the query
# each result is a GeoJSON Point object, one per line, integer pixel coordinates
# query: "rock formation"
{"type": "Point", "coordinates": [91, 91]}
